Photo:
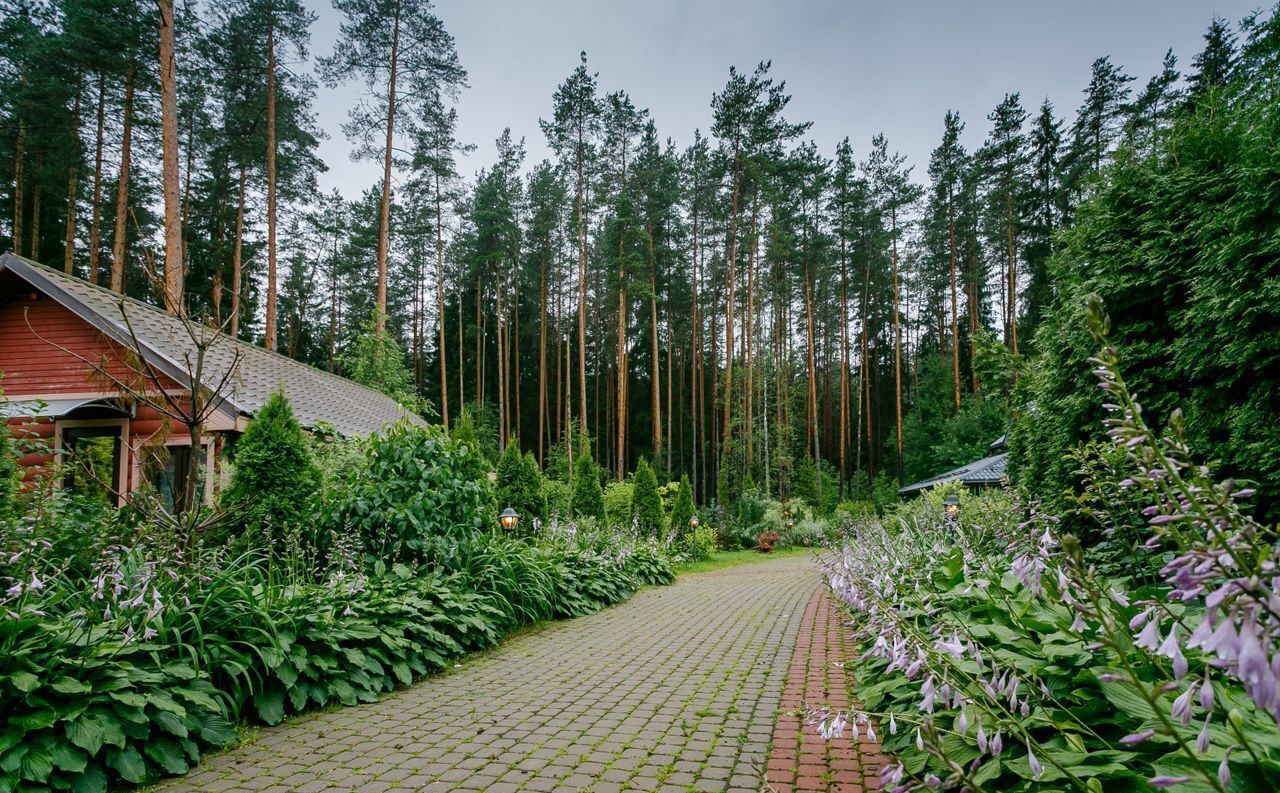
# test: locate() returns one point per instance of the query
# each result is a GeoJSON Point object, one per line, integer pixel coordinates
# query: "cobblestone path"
{"type": "Point", "coordinates": [677, 689]}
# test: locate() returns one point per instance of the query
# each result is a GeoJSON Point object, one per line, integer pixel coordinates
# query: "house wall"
{"type": "Point", "coordinates": [32, 329]}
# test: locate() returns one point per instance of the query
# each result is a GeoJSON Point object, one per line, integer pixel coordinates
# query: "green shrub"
{"type": "Point", "coordinates": [588, 499]}
{"type": "Point", "coordinates": [682, 509]}
{"type": "Point", "coordinates": [409, 500]}
{"type": "Point", "coordinates": [617, 503]}
{"type": "Point", "coordinates": [557, 495]}
{"type": "Point", "coordinates": [275, 477]}
{"type": "Point", "coordinates": [519, 486]}
{"type": "Point", "coordinates": [375, 360]}
{"type": "Point", "coordinates": [646, 504]}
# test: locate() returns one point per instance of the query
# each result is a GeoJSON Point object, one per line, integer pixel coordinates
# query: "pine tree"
{"type": "Point", "coordinates": [571, 134]}
{"type": "Point", "coordinates": [646, 503]}
{"type": "Point", "coordinates": [408, 64]}
{"type": "Point", "coordinates": [1215, 64]}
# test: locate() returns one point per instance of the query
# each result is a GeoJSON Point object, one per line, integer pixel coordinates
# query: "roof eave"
{"type": "Point", "coordinates": [116, 331]}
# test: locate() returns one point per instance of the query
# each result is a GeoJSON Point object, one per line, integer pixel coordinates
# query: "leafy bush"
{"type": "Point", "coordinates": [407, 500]}
{"type": "Point", "coordinates": [375, 360]}
{"type": "Point", "coordinates": [617, 503]}
{"type": "Point", "coordinates": [275, 479]}
{"type": "Point", "coordinates": [646, 504]}
{"type": "Point", "coordinates": [557, 495]}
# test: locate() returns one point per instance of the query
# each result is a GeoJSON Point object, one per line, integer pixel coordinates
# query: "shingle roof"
{"type": "Point", "coordinates": [986, 472]}
{"type": "Point", "coordinates": [316, 396]}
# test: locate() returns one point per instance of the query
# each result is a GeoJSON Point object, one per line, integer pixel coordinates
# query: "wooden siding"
{"type": "Point", "coordinates": [33, 366]}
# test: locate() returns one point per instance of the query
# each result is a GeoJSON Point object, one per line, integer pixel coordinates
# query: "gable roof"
{"type": "Point", "coordinates": [987, 472]}
{"type": "Point", "coordinates": [315, 395]}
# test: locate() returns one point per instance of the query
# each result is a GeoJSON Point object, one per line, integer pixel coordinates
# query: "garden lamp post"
{"type": "Point", "coordinates": [952, 508]}
{"type": "Point", "coordinates": [693, 535]}
{"type": "Point", "coordinates": [509, 519]}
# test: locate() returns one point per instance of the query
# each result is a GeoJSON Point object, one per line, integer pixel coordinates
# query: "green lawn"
{"type": "Point", "coordinates": [723, 559]}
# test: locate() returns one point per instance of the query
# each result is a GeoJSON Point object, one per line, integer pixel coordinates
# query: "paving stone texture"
{"type": "Point", "coordinates": [677, 689]}
{"type": "Point", "coordinates": [800, 758]}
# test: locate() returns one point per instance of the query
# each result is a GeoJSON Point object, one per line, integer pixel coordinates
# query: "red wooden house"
{"type": "Point", "coordinates": [67, 346]}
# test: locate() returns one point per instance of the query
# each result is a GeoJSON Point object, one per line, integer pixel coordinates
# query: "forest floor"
{"type": "Point", "coordinates": [680, 688]}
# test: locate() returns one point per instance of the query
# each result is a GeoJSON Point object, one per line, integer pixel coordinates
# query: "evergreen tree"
{"type": "Point", "coordinates": [682, 509]}
{"type": "Point", "coordinates": [646, 503]}
{"type": "Point", "coordinates": [275, 477]}
{"type": "Point", "coordinates": [519, 485]}
{"type": "Point", "coordinates": [1215, 64]}
{"type": "Point", "coordinates": [587, 499]}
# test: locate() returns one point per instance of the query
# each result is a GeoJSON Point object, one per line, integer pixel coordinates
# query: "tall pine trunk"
{"type": "Point", "coordinates": [955, 304]}
{"type": "Point", "coordinates": [122, 188]}
{"type": "Point", "coordinates": [95, 225]}
{"type": "Point", "coordinates": [444, 379]}
{"type": "Point", "coordinates": [897, 339]}
{"type": "Point", "coordinates": [269, 340]}
{"type": "Point", "coordinates": [384, 211]}
{"type": "Point", "coordinates": [655, 394]}
{"type": "Point", "coordinates": [73, 170]}
{"type": "Point", "coordinates": [173, 275]}
{"type": "Point", "coordinates": [19, 179]}
{"type": "Point", "coordinates": [237, 254]}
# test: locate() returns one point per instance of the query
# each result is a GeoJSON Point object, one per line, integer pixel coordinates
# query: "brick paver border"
{"type": "Point", "coordinates": [799, 758]}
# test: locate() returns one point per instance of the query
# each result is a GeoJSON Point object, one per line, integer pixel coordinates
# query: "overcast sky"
{"type": "Point", "coordinates": [852, 68]}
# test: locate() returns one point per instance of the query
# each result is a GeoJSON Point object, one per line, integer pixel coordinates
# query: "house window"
{"type": "Point", "coordinates": [169, 470]}
{"type": "Point", "coordinates": [92, 456]}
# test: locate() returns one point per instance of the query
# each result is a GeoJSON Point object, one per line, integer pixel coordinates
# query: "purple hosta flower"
{"type": "Point", "coordinates": [1206, 693]}
{"type": "Point", "coordinates": [997, 744]}
{"type": "Point", "coordinates": [14, 591]}
{"type": "Point", "coordinates": [919, 740]}
{"type": "Point", "coordinates": [1120, 597]}
{"type": "Point", "coordinates": [1036, 770]}
{"type": "Point", "coordinates": [1224, 642]}
{"type": "Point", "coordinates": [1168, 781]}
{"type": "Point", "coordinates": [893, 724]}
{"type": "Point", "coordinates": [928, 695]}
{"type": "Point", "coordinates": [833, 727]}
{"type": "Point", "coordinates": [953, 647]}
{"type": "Point", "coordinates": [1078, 625]}
{"type": "Point", "coordinates": [932, 780]}
{"type": "Point", "coordinates": [1137, 737]}
{"type": "Point", "coordinates": [149, 633]}
{"type": "Point", "coordinates": [1224, 769]}
{"type": "Point", "coordinates": [962, 722]}
{"type": "Point", "coordinates": [982, 738]}
{"type": "Point", "coordinates": [1149, 638]}
{"type": "Point", "coordinates": [1182, 706]}
{"type": "Point", "coordinates": [871, 733]}
{"type": "Point", "coordinates": [1202, 740]}
{"type": "Point", "coordinates": [892, 774]}
{"type": "Point", "coordinates": [1253, 670]}
{"type": "Point", "coordinates": [348, 612]}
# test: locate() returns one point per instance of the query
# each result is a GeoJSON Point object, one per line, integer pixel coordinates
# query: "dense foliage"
{"type": "Point", "coordinates": [1180, 239]}
{"type": "Point", "coordinates": [587, 500]}
{"type": "Point", "coordinates": [128, 651]}
{"type": "Point", "coordinates": [275, 478]}
{"type": "Point", "coordinates": [1002, 653]}
{"type": "Point", "coordinates": [409, 500]}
